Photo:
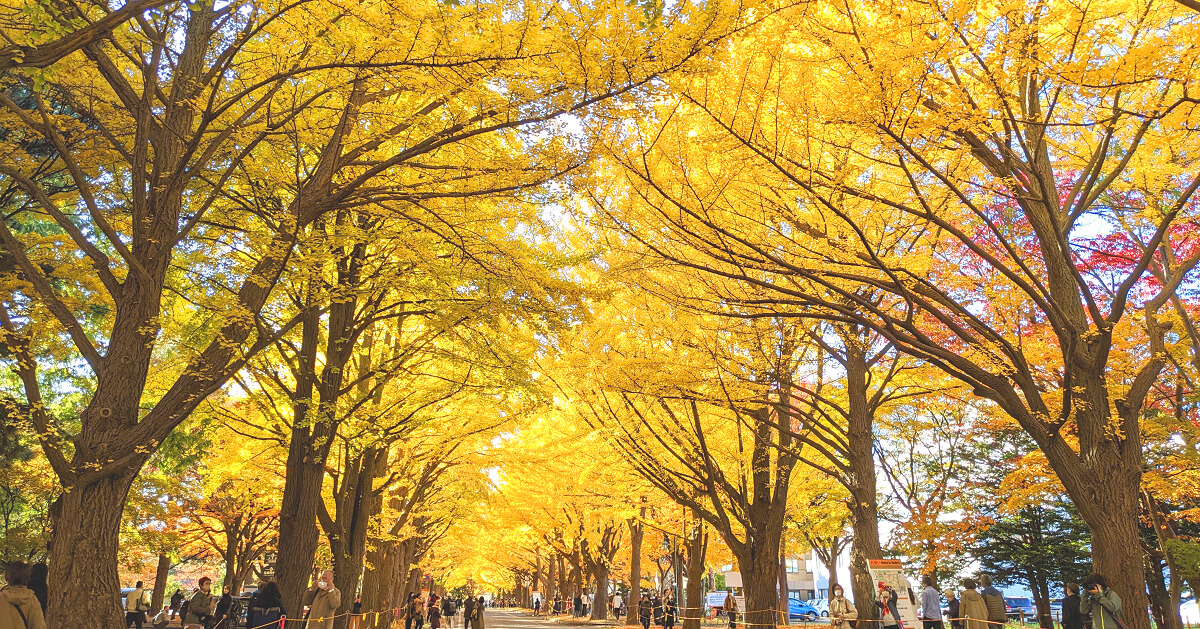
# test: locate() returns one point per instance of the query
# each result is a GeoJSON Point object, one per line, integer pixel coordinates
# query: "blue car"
{"type": "Point", "coordinates": [799, 609]}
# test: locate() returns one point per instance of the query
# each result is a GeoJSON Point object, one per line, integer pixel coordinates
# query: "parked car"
{"type": "Point", "coordinates": [821, 605]}
{"type": "Point", "coordinates": [800, 609]}
{"type": "Point", "coordinates": [1015, 606]}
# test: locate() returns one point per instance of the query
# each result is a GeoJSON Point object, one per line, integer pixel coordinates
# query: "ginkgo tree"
{"type": "Point", "coordinates": [945, 175]}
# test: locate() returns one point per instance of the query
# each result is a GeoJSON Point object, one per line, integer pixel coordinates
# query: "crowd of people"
{"type": "Point", "coordinates": [977, 605]}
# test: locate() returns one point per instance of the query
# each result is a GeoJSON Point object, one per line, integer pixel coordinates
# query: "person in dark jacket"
{"type": "Point", "coordinates": [468, 612]}
{"type": "Point", "coordinates": [1072, 618]}
{"type": "Point", "coordinates": [176, 602]}
{"type": "Point", "coordinates": [578, 606]}
{"type": "Point", "coordinates": [645, 610]}
{"type": "Point", "coordinates": [952, 606]}
{"type": "Point", "coordinates": [670, 612]}
{"type": "Point", "coordinates": [266, 607]}
{"type": "Point", "coordinates": [223, 606]}
{"type": "Point", "coordinates": [37, 583]}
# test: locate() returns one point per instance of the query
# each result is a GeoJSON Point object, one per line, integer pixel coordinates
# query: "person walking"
{"type": "Point", "coordinates": [931, 605]}
{"type": "Point", "coordinates": [199, 606]}
{"type": "Point", "coordinates": [19, 606]}
{"type": "Point", "coordinates": [1072, 616]}
{"type": "Point", "coordinates": [617, 602]}
{"type": "Point", "coordinates": [267, 606]}
{"type": "Point", "coordinates": [1101, 602]}
{"type": "Point", "coordinates": [657, 605]}
{"type": "Point", "coordinates": [448, 611]}
{"type": "Point", "coordinates": [973, 609]}
{"type": "Point", "coordinates": [176, 602]}
{"type": "Point", "coordinates": [134, 614]}
{"type": "Point", "coordinates": [994, 599]}
{"type": "Point", "coordinates": [645, 610]}
{"type": "Point", "coordinates": [577, 610]}
{"type": "Point", "coordinates": [841, 611]}
{"type": "Point", "coordinates": [537, 606]}
{"type": "Point", "coordinates": [323, 600]}
{"type": "Point", "coordinates": [952, 606]}
{"type": "Point", "coordinates": [889, 615]}
{"type": "Point", "coordinates": [479, 605]}
{"type": "Point", "coordinates": [468, 612]}
{"type": "Point", "coordinates": [731, 609]}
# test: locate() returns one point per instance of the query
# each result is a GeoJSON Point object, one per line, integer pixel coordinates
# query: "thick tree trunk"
{"type": "Point", "coordinates": [377, 580]}
{"type": "Point", "coordinates": [83, 583]}
{"type": "Point", "coordinates": [160, 581]}
{"type": "Point", "coordinates": [861, 483]}
{"type": "Point", "coordinates": [298, 531]}
{"type": "Point", "coordinates": [636, 533]}
{"type": "Point", "coordinates": [1107, 497]}
{"type": "Point", "coordinates": [691, 608]}
{"type": "Point", "coordinates": [600, 600]}
{"type": "Point", "coordinates": [760, 576]}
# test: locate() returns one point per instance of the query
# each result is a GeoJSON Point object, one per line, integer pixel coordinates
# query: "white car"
{"type": "Point", "coordinates": [821, 605]}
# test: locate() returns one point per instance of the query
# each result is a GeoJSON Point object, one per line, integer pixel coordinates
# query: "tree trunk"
{"type": "Point", "coordinates": [377, 580]}
{"type": "Point", "coordinates": [783, 587]}
{"type": "Point", "coordinates": [691, 608]}
{"type": "Point", "coordinates": [1166, 616]}
{"type": "Point", "coordinates": [83, 583]}
{"type": "Point", "coordinates": [760, 576]}
{"type": "Point", "coordinates": [861, 483]}
{"type": "Point", "coordinates": [550, 583]}
{"type": "Point", "coordinates": [636, 532]}
{"type": "Point", "coordinates": [160, 581]}
{"type": "Point", "coordinates": [1107, 499]}
{"type": "Point", "coordinates": [298, 531]}
{"type": "Point", "coordinates": [600, 600]}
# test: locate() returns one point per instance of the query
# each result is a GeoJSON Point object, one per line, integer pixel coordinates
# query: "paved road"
{"type": "Point", "coordinates": [521, 619]}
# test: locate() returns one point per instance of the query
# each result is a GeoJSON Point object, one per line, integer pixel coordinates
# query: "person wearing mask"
{"type": "Point", "coordinates": [134, 614]}
{"type": "Point", "coordinates": [994, 599]}
{"type": "Point", "coordinates": [267, 606]}
{"type": "Point", "coordinates": [200, 606]}
{"type": "Point", "coordinates": [952, 606]}
{"type": "Point", "coordinates": [931, 605]}
{"type": "Point", "coordinates": [19, 607]}
{"type": "Point", "coordinates": [176, 602]}
{"type": "Point", "coordinates": [323, 600]}
{"type": "Point", "coordinates": [645, 610]}
{"type": "Point", "coordinates": [842, 612]}
{"type": "Point", "coordinates": [1072, 617]}
{"type": "Point", "coordinates": [973, 609]}
{"type": "Point", "coordinates": [889, 614]}
{"type": "Point", "coordinates": [1101, 602]}
{"type": "Point", "coordinates": [223, 606]}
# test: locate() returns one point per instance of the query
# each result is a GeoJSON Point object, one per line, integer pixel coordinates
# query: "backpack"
{"type": "Point", "coordinates": [268, 615]}
{"type": "Point", "coordinates": [451, 608]}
